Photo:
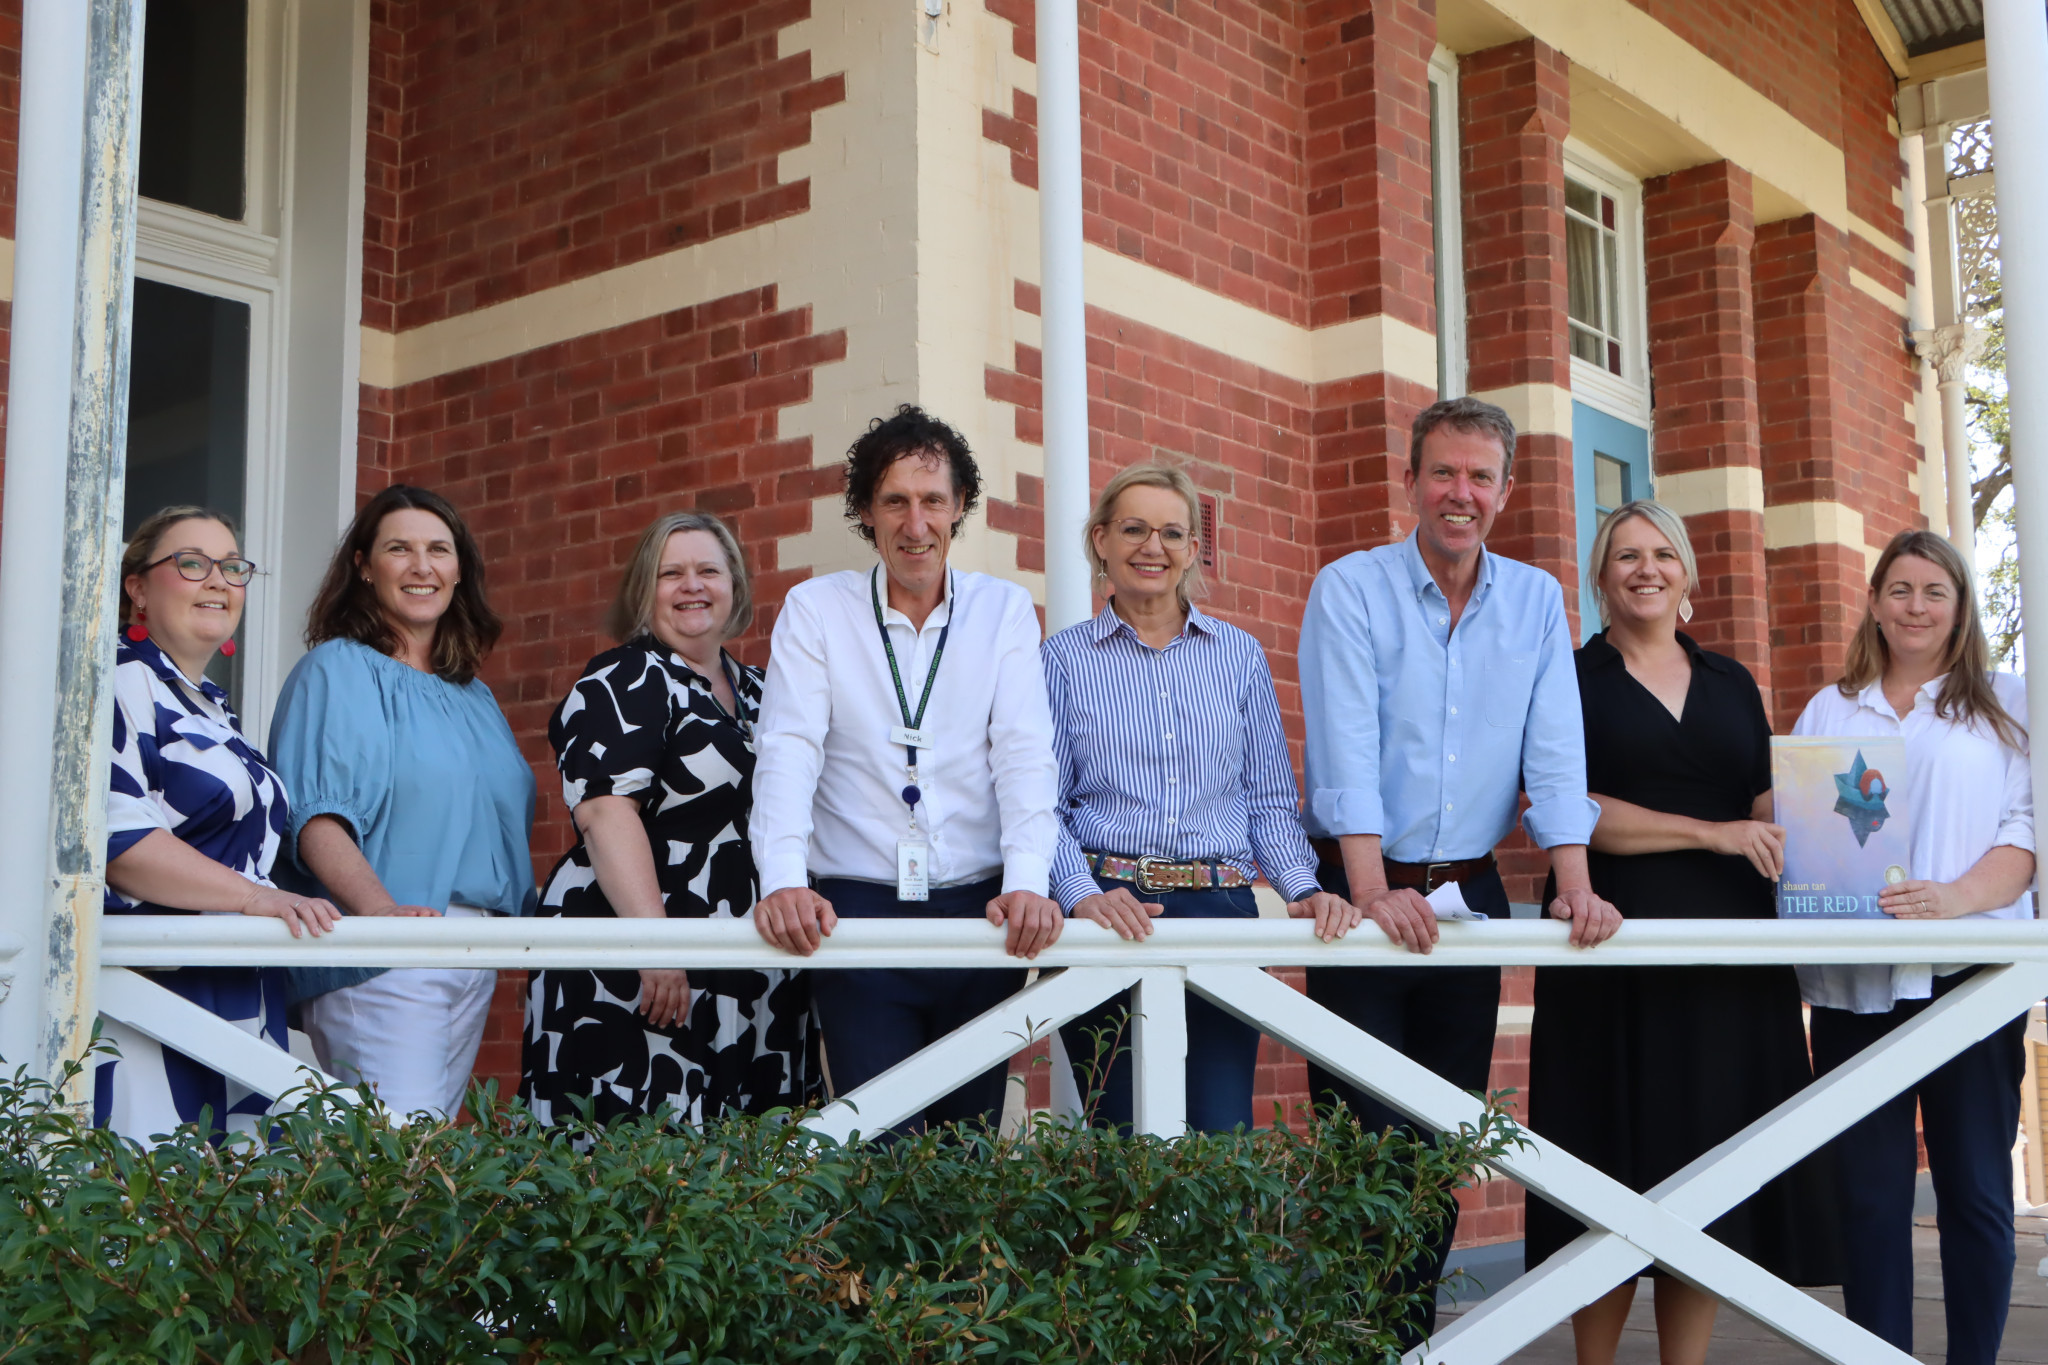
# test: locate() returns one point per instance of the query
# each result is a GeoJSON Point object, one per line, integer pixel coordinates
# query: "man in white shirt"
{"type": "Point", "coordinates": [905, 762]}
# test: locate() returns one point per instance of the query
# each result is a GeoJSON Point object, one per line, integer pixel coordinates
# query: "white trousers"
{"type": "Point", "coordinates": [411, 1034]}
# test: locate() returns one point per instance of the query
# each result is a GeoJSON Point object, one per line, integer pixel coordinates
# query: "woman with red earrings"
{"type": "Point", "coordinates": [195, 816]}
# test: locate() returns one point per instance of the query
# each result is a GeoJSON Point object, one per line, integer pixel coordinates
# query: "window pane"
{"type": "Point", "coordinates": [1582, 273]}
{"type": "Point", "coordinates": [1587, 345]}
{"type": "Point", "coordinates": [1610, 250]}
{"type": "Point", "coordinates": [188, 405]}
{"type": "Point", "coordinates": [1606, 212]}
{"type": "Point", "coordinates": [194, 84]}
{"type": "Point", "coordinates": [1610, 482]}
{"type": "Point", "coordinates": [1580, 199]}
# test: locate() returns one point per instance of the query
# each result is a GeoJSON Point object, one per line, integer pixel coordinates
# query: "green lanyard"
{"type": "Point", "coordinates": [910, 722]}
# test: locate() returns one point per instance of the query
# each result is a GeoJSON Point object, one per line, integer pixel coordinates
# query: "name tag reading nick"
{"type": "Point", "coordinates": [909, 738]}
{"type": "Point", "coordinates": [913, 870]}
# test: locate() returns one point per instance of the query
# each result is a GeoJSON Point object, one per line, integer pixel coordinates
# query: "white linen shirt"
{"type": "Point", "coordinates": [1966, 794]}
{"type": "Point", "coordinates": [828, 781]}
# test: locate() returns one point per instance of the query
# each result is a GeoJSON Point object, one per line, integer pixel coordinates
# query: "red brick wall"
{"type": "Point", "coordinates": [1834, 384]}
{"type": "Point", "coordinates": [1515, 110]}
{"type": "Point", "coordinates": [1786, 50]}
{"type": "Point", "coordinates": [1367, 111]}
{"type": "Point", "coordinates": [561, 456]}
{"type": "Point", "coordinates": [1699, 237]}
{"type": "Point", "coordinates": [1191, 142]}
{"type": "Point", "coordinates": [1371, 252]}
{"type": "Point", "coordinates": [519, 144]}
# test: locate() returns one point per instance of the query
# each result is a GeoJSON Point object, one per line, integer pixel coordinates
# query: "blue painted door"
{"type": "Point", "coordinates": [1610, 466]}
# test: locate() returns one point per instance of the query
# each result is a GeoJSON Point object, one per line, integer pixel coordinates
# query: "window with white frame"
{"type": "Point", "coordinates": [1592, 245]}
{"type": "Point", "coordinates": [248, 236]}
{"type": "Point", "coordinates": [1605, 310]}
{"type": "Point", "coordinates": [206, 265]}
{"type": "Point", "coordinates": [1446, 214]}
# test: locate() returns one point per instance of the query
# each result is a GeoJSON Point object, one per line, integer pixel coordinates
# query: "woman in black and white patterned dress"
{"type": "Point", "coordinates": [655, 746]}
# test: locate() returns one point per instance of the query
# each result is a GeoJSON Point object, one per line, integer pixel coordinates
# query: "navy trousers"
{"type": "Point", "coordinates": [873, 1018]}
{"type": "Point", "coordinates": [1223, 1050]}
{"type": "Point", "coordinates": [1442, 1017]}
{"type": "Point", "coordinates": [1969, 1111]}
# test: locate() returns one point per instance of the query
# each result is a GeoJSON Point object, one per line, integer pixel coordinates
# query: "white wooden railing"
{"type": "Point", "coordinates": [1222, 961]}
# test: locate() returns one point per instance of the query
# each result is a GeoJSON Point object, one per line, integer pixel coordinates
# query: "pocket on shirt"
{"type": "Point", "coordinates": [1508, 683]}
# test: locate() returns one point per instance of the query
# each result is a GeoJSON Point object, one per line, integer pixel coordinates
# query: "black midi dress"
{"type": "Point", "coordinates": [640, 723]}
{"type": "Point", "coordinates": [1639, 1070]}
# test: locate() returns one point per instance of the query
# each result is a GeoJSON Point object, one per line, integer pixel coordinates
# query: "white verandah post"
{"type": "Point", "coordinates": [2016, 55]}
{"type": "Point", "coordinates": [1062, 313]}
{"type": "Point", "coordinates": [81, 93]}
{"type": "Point", "coordinates": [1063, 318]}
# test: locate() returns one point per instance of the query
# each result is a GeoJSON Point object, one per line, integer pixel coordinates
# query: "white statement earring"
{"type": "Point", "coordinates": [1685, 607]}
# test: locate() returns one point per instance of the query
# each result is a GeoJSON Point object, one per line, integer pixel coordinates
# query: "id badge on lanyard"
{"type": "Point", "coordinates": [913, 851]}
{"type": "Point", "coordinates": [913, 869]}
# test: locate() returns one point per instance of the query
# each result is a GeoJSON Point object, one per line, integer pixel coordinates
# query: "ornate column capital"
{"type": "Point", "coordinates": [1949, 350]}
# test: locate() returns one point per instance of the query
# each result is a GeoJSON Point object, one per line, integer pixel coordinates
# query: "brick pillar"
{"type": "Point", "coordinates": [1370, 249]}
{"type": "Point", "coordinates": [1516, 110]}
{"type": "Point", "coordinates": [1818, 584]}
{"type": "Point", "coordinates": [1699, 236]}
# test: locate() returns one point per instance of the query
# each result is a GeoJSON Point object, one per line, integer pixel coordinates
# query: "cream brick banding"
{"type": "Point", "coordinates": [1132, 289]}
{"type": "Point", "coordinates": [1890, 298]}
{"type": "Point", "coordinates": [1789, 525]}
{"type": "Point", "coordinates": [1729, 488]}
{"type": "Point", "coordinates": [1535, 409]}
{"type": "Point", "coordinates": [758, 256]}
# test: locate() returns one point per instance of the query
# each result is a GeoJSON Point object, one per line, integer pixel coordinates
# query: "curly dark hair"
{"type": "Point", "coordinates": [910, 430]}
{"type": "Point", "coordinates": [346, 607]}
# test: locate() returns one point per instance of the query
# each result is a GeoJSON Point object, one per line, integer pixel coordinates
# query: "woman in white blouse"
{"type": "Point", "coordinates": [1919, 668]}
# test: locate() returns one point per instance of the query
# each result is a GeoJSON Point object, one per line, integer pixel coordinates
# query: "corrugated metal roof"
{"type": "Point", "coordinates": [1931, 25]}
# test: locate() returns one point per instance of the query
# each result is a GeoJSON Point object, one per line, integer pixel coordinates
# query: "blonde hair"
{"type": "Point", "coordinates": [1966, 693]}
{"type": "Point", "coordinates": [1151, 474]}
{"type": "Point", "coordinates": [1667, 523]}
{"type": "Point", "coordinates": [633, 608]}
{"type": "Point", "coordinates": [142, 545]}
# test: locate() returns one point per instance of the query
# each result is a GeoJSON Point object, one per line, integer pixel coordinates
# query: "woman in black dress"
{"type": "Point", "coordinates": [1639, 1070]}
{"type": "Point", "coordinates": [655, 746]}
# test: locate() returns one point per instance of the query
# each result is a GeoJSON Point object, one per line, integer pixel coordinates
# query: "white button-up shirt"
{"type": "Point", "coordinates": [1966, 794]}
{"type": "Point", "coordinates": [828, 781]}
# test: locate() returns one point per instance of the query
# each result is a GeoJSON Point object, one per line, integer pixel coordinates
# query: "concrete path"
{"type": "Point", "coordinates": [1740, 1341]}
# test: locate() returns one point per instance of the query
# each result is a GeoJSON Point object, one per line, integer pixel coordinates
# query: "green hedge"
{"type": "Point", "coordinates": [346, 1239]}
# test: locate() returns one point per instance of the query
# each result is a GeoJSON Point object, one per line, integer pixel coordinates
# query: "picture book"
{"type": "Point", "coordinates": [1842, 803]}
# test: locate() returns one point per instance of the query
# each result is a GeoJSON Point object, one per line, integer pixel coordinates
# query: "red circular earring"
{"type": "Point", "coordinates": [227, 649]}
{"type": "Point", "coordinates": [137, 631]}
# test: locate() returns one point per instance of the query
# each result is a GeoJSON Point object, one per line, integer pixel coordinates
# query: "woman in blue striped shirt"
{"type": "Point", "coordinates": [1175, 782]}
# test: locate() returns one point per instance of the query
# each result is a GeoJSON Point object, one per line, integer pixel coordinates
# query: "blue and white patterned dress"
{"type": "Point", "coordinates": [182, 765]}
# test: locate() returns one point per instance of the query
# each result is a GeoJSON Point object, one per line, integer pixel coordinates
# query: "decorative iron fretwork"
{"type": "Point", "coordinates": [1976, 218]}
{"type": "Point", "coordinates": [1969, 149]}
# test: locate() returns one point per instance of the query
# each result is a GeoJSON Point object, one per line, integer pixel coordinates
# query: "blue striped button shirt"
{"type": "Point", "coordinates": [1173, 753]}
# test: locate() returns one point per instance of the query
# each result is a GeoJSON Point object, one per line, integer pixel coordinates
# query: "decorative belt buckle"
{"type": "Point", "coordinates": [1145, 883]}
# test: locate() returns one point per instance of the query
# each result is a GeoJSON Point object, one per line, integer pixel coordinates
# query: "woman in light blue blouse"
{"type": "Point", "coordinates": [410, 796]}
{"type": "Point", "coordinates": [1175, 784]}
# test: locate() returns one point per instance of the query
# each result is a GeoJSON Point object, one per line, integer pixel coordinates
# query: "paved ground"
{"type": "Point", "coordinates": [1739, 1341]}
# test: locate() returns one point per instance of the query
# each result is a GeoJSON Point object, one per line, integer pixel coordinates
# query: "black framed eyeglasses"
{"type": "Point", "coordinates": [195, 567]}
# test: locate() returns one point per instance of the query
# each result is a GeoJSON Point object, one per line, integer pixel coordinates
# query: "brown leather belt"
{"type": "Point", "coordinates": [1154, 875]}
{"type": "Point", "coordinates": [1423, 877]}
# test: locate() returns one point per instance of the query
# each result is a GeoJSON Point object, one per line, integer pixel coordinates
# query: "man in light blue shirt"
{"type": "Point", "coordinates": [1437, 684]}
